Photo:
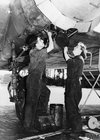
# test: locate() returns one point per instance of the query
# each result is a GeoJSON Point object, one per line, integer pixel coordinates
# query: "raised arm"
{"type": "Point", "coordinates": [51, 45]}
{"type": "Point", "coordinates": [66, 53]}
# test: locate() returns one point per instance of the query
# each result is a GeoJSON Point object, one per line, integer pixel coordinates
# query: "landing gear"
{"type": "Point", "coordinates": [20, 97]}
{"type": "Point", "coordinates": [20, 106]}
{"type": "Point", "coordinates": [21, 94]}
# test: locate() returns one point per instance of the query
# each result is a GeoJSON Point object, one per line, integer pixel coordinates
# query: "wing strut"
{"type": "Point", "coordinates": [96, 79]}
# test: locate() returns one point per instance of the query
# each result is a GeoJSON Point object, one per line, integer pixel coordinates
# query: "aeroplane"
{"type": "Point", "coordinates": [20, 18]}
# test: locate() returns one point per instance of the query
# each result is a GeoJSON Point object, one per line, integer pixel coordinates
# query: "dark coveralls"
{"type": "Point", "coordinates": [73, 93]}
{"type": "Point", "coordinates": [34, 84]}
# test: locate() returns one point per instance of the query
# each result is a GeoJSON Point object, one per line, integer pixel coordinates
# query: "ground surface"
{"type": "Point", "coordinates": [10, 127]}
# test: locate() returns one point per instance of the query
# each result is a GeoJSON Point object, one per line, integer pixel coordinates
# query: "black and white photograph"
{"type": "Point", "coordinates": [49, 70]}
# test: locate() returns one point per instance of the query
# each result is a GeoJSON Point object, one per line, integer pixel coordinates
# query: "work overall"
{"type": "Point", "coordinates": [34, 85]}
{"type": "Point", "coordinates": [73, 94]}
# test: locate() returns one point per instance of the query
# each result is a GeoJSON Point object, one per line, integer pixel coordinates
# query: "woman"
{"type": "Point", "coordinates": [37, 65]}
{"type": "Point", "coordinates": [73, 92]}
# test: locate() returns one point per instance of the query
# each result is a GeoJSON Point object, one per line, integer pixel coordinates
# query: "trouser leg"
{"type": "Point", "coordinates": [68, 122]}
{"type": "Point", "coordinates": [73, 117]}
{"type": "Point", "coordinates": [43, 100]}
{"type": "Point", "coordinates": [33, 93]}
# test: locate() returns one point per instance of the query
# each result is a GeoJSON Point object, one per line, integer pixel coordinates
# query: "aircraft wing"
{"type": "Point", "coordinates": [22, 17]}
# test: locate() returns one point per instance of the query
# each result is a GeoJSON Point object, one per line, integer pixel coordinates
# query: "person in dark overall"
{"type": "Point", "coordinates": [73, 90]}
{"type": "Point", "coordinates": [42, 107]}
{"type": "Point", "coordinates": [37, 65]}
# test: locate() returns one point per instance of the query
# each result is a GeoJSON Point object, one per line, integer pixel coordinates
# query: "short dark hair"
{"type": "Point", "coordinates": [32, 38]}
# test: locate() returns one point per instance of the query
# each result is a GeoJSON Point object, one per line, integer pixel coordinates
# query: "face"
{"type": "Point", "coordinates": [40, 44]}
{"type": "Point", "coordinates": [77, 50]}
